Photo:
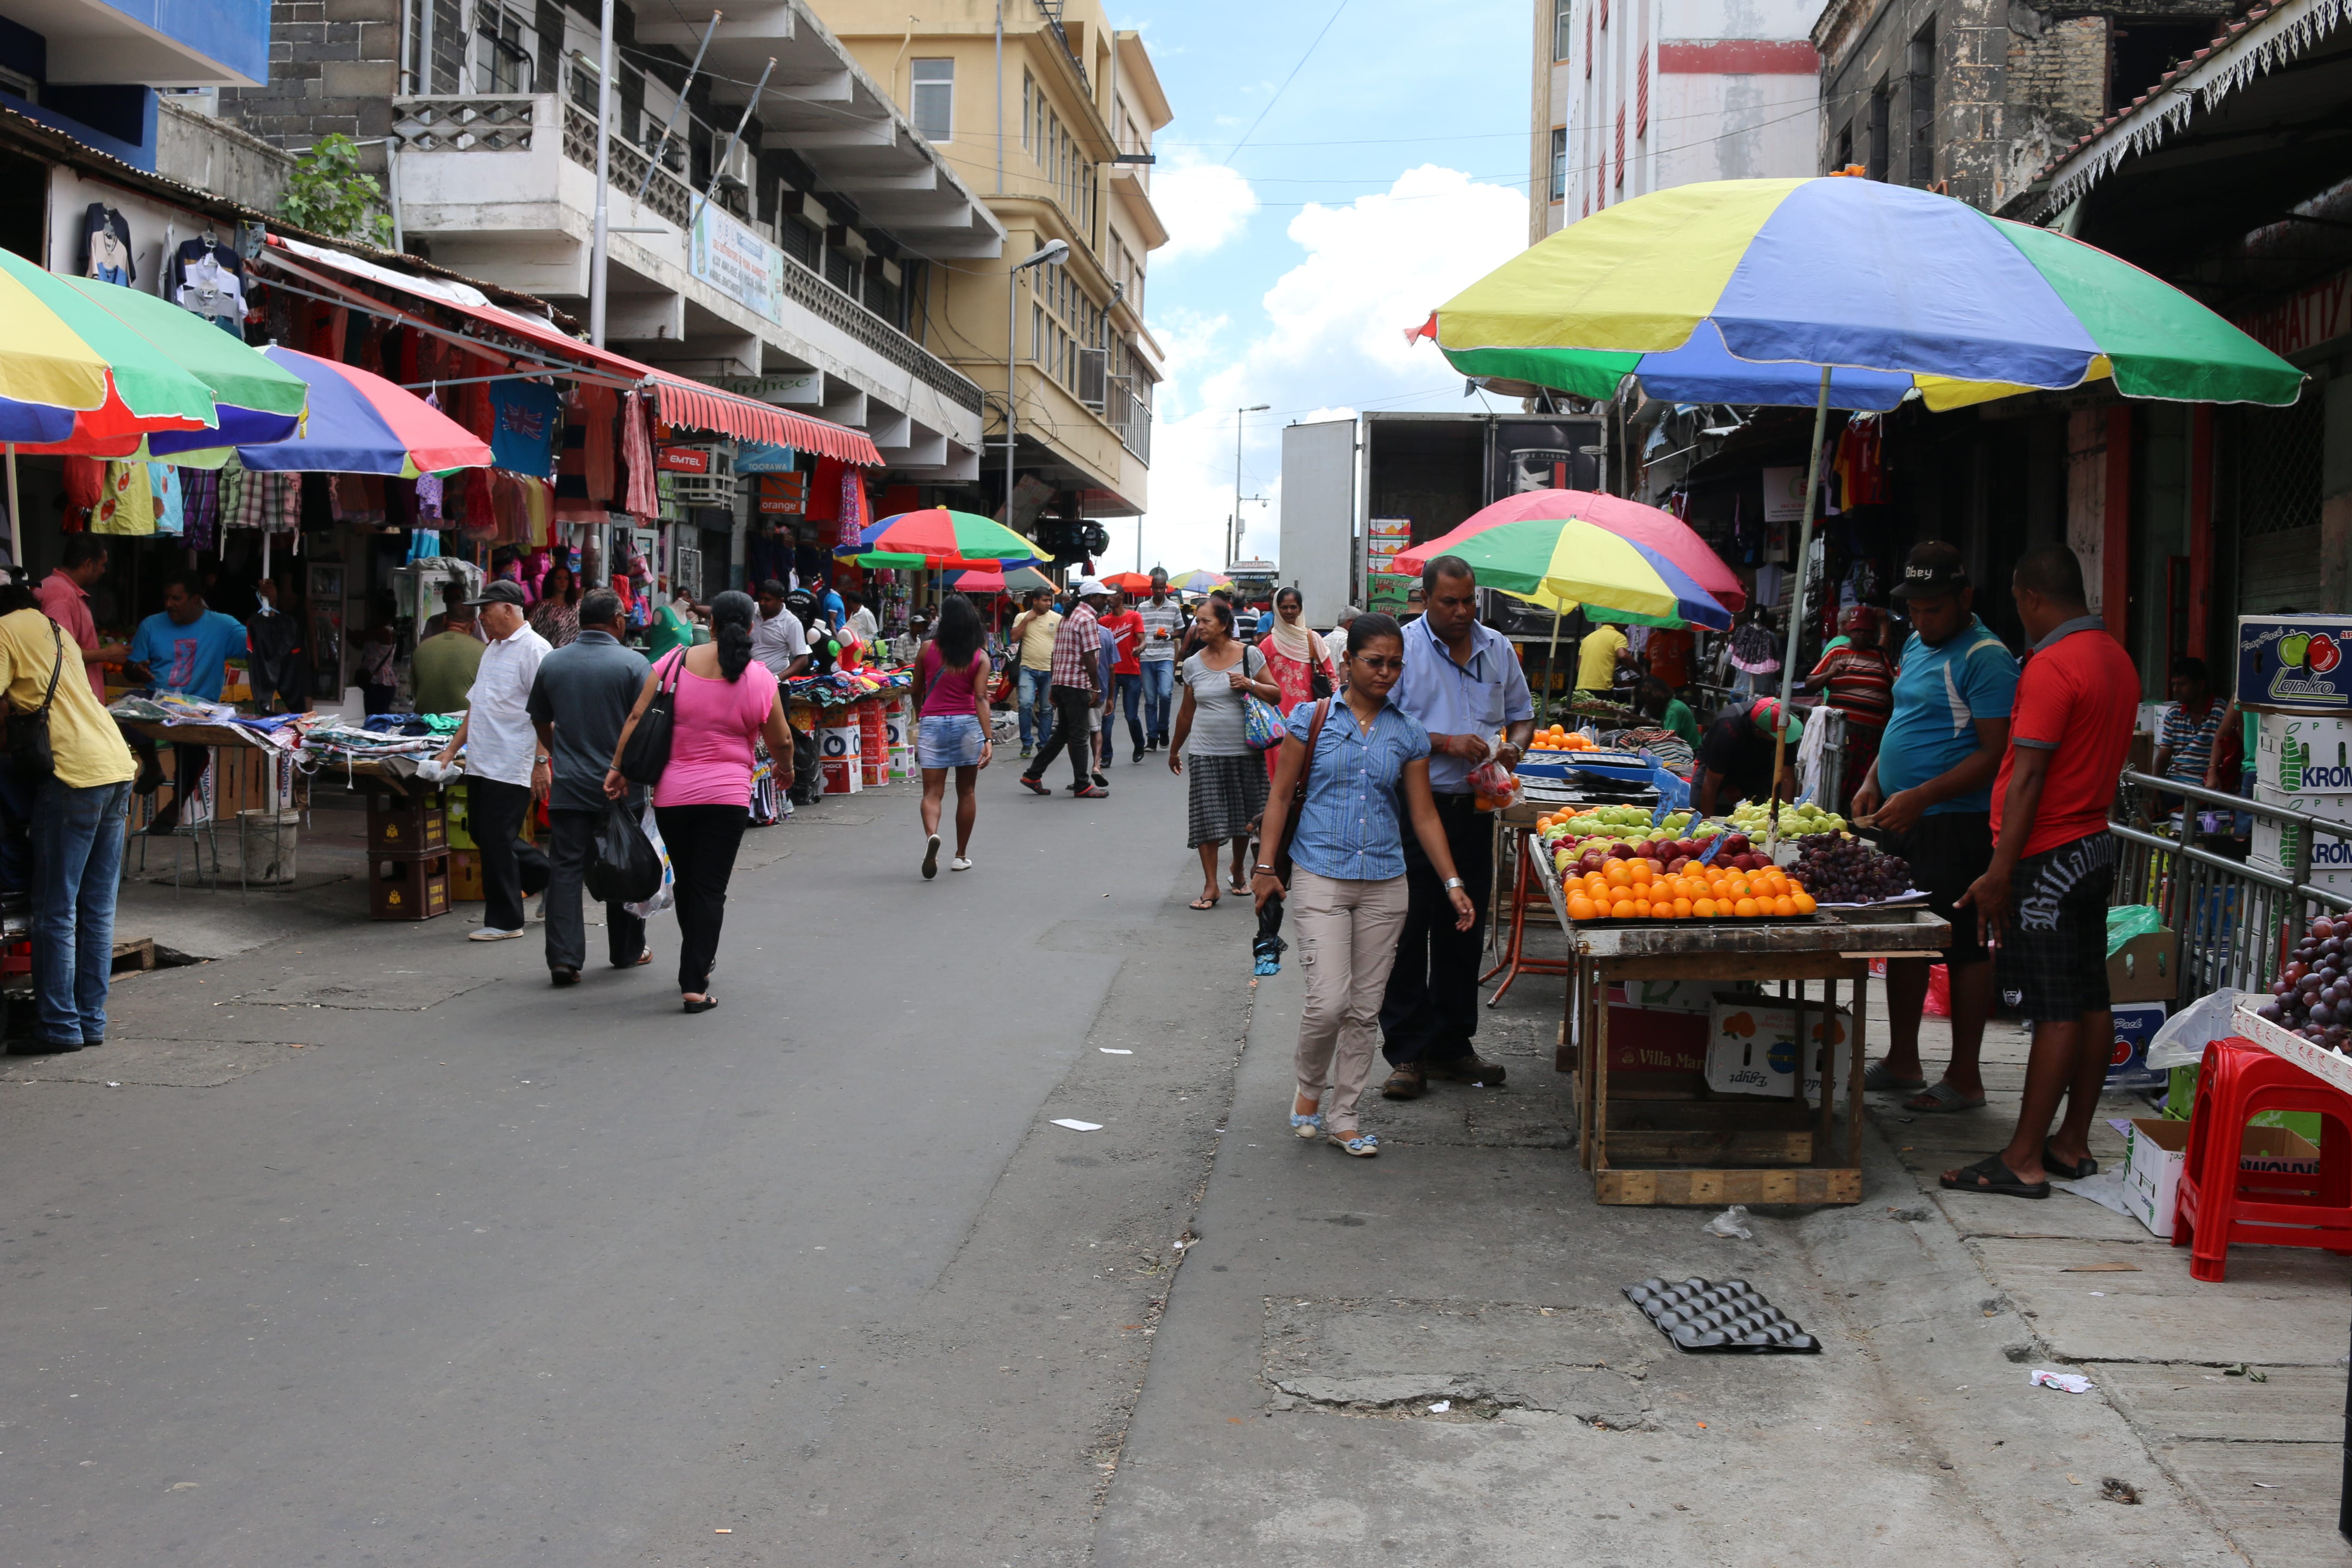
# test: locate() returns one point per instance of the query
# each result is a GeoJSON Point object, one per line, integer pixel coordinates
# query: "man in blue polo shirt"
{"type": "Point", "coordinates": [185, 647]}
{"type": "Point", "coordinates": [1463, 682]}
{"type": "Point", "coordinates": [1930, 790]}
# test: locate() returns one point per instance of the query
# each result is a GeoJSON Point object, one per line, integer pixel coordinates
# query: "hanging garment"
{"type": "Point", "coordinates": [106, 246]}
{"type": "Point", "coordinates": [163, 487]}
{"type": "Point", "coordinates": [200, 506]}
{"type": "Point", "coordinates": [274, 662]}
{"type": "Point", "coordinates": [643, 501]}
{"type": "Point", "coordinates": [600, 410]}
{"type": "Point", "coordinates": [128, 506]}
{"type": "Point", "coordinates": [527, 423]}
{"type": "Point", "coordinates": [208, 278]}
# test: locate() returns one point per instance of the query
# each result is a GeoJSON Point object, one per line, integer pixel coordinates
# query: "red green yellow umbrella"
{"type": "Point", "coordinates": [936, 539]}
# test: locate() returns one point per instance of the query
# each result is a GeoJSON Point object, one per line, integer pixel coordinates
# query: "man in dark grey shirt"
{"type": "Point", "coordinates": [578, 701]}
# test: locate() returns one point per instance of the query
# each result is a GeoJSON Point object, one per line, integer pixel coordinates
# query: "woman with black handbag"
{"type": "Point", "coordinates": [1342, 807]}
{"type": "Point", "coordinates": [1295, 658]}
{"type": "Point", "coordinates": [700, 709]}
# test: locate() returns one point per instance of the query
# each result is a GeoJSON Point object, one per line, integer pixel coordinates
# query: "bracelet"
{"type": "Point", "coordinates": [1265, 871]}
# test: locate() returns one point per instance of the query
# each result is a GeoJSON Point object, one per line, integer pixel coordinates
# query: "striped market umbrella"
{"type": "Point", "coordinates": [1199, 582]}
{"type": "Point", "coordinates": [1647, 526]}
{"type": "Point", "coordinates": [1019, 580]}
{"type": "Point", "coordinates": [1574, 561]}
{"type": "Point", "coordinates": [361, 424]}
{"type": "Point", "coordinates": [937, 538]}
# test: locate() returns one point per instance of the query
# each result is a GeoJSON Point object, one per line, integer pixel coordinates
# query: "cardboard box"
{"type": "Point", "coordinates": [2276, 842]}
{"type": "Point", "coordinates": [2158, 1151]}
{"type": "Point", "coordinates": [2302, 755]}
{"type": "Point", "coordinates": [1674, 996]}
{"type": "Point", "coordinates": [2136, 1025]}
{"type": "Point", "coordinates": [841, 776]}
{"type": "Point", "coordinates": [837, 742]}
{"type": "Point", "coordinates": [1752, 1046]}
{"type": "Point", "coordinates": [2146, 968]}
{"type": "Point", "coordinates": [2327, 878]}
{"type": "Point", "coordinates": [1389, 527]}
{"type": "Point", "coordinates": [2295, 663]}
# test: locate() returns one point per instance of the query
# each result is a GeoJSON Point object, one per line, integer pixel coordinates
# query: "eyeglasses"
{"type": "Point", "coordinates": [1381, 665]}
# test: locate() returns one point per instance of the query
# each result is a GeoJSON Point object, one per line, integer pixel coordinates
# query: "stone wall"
{"type": "Point", "coordinates": [205, 151]}
{"type": "Point", "coordinates": [333, 68]}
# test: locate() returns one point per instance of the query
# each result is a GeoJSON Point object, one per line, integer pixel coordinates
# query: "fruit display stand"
{"type": "Point", "coordinates": [1693, 1148]}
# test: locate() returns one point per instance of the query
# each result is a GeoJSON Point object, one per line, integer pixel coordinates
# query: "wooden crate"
{"type": "Point", "coordinates": [408, 887]}
{"type": "Point", "coordinates": [406, 824]}
{"type": "Point", "coordinates": [466, 876]}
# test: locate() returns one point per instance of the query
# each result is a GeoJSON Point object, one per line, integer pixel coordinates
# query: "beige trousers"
{"type": "Point", "coordinates": [1347, 942]}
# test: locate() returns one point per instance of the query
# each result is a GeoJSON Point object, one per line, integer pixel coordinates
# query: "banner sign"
{"type": "Point", "coordinates": [737, 262]}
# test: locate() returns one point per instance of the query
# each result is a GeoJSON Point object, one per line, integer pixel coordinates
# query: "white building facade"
{"type": "Point", "coordinates": [1634, 96]}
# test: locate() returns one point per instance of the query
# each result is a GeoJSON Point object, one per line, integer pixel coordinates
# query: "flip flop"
{"type": "Point", "coordinates": [2063, 1170]}
{"type": "Point", "coordinates": [1940, 1097]}
{"type": "Point", "coordinates": [1878, 1080]}
{"type": "Point", "coordinates": [1989, 1177]}
{"type": "Point", "coordinates": [1203, 904]}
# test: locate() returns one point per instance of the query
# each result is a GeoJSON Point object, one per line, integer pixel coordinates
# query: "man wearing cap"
{"type": "Point", "coordinates": [1076, 692]}
{"type": "Point", "coordinates": [1929, 792]}
{"type": "Point", "coordinates": [506, 765]}
{"type": "Point", "coordinates": [1735, 757]}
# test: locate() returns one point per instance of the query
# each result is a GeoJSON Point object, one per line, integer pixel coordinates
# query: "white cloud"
{"type": "Point", "coordinates": [1328, 342]}
{"type": "Point", "coordinates": [1203, 205]}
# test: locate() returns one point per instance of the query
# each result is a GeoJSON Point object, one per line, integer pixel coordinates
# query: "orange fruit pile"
{"type": "Point", "coordinates": [1558, 739]}
{"type": "Point", "coordinates": [1640, 890]}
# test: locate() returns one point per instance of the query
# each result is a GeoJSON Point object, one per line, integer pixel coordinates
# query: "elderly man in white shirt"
{"type": "Point", "coordinates": [506, 767]}
{"type": "Point", "coordinates": [1335, 641]}
{"type": "Point", "coordinates": [778, 638]}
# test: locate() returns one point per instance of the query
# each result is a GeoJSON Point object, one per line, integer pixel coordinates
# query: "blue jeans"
{"type": "Point", "coordinates": [1127, 691]}
{"type": "Point", "coordinates": [77, 866]}
{"type": "Point", "coordinates": [1036, 712]}
{"type": "Point", "coordinates": [1159, 695]}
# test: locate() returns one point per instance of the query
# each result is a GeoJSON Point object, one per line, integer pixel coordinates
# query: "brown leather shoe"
{"type": "Point", "coordinates": [1471, 1069]}
{"type": "Point", "coordinates": [1405, 1083]}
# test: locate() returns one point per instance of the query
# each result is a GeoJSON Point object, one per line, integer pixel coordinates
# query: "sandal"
{"type": "Point", "coordinates": [1363, 1145]}
{"type": "Point", "coordinates": [1205, 901]}
{"type": "Point", "coordinates": [1991, 1178]}
{"type": "Point", "coordinates": [1306, 1126]}
{"type": "Point", "coordinates": [1878, 1080]}
{"type": "Point", "coordinates": [1940, 1097]}
{"type": "Point", "coordinates": [704, 1005]}
{"type": "Point", "coordinates": [2067, 1171]}
{"type": "Point", "coordinates": [1238, 889]}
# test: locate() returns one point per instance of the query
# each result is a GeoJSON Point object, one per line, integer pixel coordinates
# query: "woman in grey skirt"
{"type": "Point", "coordinates": [1228, 779]}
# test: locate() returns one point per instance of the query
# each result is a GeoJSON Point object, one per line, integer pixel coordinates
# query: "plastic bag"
{"type": "Point", "coordinates": [668, 894]}
{"type": "Point", "coordinates": [627, 868]}
{"type": "Point", "coordinates": [2182, 1042]}
{"type": "Point", "coordinates": [2126, 922]}
{"type": "Point", "coordinates": [1732, 1222]}
{"type": "Point", "coordinates": [1493, 786]}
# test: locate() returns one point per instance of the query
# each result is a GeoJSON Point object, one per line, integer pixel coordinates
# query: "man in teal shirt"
{"type": "Point", "coordinates": [185, 649]}
{"type": "Point", "coordinates": [1930, 790]}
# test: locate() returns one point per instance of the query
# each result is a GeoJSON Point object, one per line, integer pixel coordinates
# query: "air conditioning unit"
{"type": "Point", "coordinates": [736, 172]}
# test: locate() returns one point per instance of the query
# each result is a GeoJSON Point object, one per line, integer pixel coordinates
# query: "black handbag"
{"type": "Point", "coordinates": [29, 733]}
{"type": "Point", "coordinates": [627, 868]}
{"type": "Point", "coordinates": [647, 752]}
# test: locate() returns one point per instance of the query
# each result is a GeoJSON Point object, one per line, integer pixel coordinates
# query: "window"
{"type": "Point", "coordinates": [502, 51]}
{"type": "Point", "coordinates": [1028, 109]}
{"type": "Point", "coordinates": [1559, 164]}
{"type": "Point", "coordinates": [1874, 129]}
{"type": "Point", "coordinates": [1921, 71]}
{"type": "Point", "coordinates": [934, 100]}
{"type": "Point", "coordinates": [1563, 20]}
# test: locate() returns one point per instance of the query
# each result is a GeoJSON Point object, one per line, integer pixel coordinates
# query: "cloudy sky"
{"type": "Point", "coordinates": [1311, 222]}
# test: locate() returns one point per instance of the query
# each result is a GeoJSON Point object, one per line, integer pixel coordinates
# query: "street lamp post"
{"type": "Point", "coordinates": [1233, 538]}
{"type": "Point", "coordinates": [1053, 253]}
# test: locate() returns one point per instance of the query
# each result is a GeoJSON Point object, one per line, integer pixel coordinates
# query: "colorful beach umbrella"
{"type": "Point", "coordinates": [940, 539]}
{"type": "Point", "coordinates": [1129, 582]}
{"type": "Point", "coordinates": [1747, 290]}
{"type": "Point", "coordinates": [1573, 560]}
{"type": "Point", "coordinates": [361, 424]}
{"type": "Point", "coordinates": [1200, 582]}
{"type": "Point", "coordinates": [1018, 580]}
{"type": "Point", "coordinates": [1647, 526]}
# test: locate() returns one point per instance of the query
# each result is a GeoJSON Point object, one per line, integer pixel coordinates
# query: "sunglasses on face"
{"type": "Point", "coordinates": [1381, 665]}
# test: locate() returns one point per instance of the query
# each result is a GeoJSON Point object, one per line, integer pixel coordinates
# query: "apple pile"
{"type": "Point", "coordinates": [1672, 856]}
{"type": "Point", "coordinates": [2313, 995]}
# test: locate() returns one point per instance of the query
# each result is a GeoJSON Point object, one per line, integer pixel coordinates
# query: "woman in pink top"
{"type": "Point", "coordinates": [724, 698]}
{"type": "Point", "coordinates": [952, 682]}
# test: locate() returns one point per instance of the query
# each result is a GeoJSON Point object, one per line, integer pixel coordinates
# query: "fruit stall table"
{"type": "Point", "coordinates": [1693, 1148]}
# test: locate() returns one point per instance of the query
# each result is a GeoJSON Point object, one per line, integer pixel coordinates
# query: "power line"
{"type": "Point", "coordinates": [1278, 91]}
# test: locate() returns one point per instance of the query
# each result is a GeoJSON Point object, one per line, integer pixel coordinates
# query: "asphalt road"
{"type": "Point", "coordinates": [488, 1273]}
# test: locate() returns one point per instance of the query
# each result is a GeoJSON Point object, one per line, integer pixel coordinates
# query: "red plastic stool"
{"type": "Point", "coordinates": [2220, 1203]}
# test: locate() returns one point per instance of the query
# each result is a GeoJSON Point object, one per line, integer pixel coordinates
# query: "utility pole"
{"type": "Point", "coordinates": [1233, 534]}
{"type": "Point", "coordinates": [600, 233]}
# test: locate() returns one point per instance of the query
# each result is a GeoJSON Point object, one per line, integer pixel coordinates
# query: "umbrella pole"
{"type": "Point", "coordinates": [16, 523]}
{"type": "Point", "coordinates": [1797, 606]}
{"type": "Point", "coordinates": [1551, 658]}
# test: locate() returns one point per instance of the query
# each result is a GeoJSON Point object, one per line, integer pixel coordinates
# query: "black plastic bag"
{"type": "Point", "coordinates": [627, 868]}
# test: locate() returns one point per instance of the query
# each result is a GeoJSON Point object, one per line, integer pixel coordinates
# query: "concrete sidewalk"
{"type": "Point", "coordinates": [1331, 1304]}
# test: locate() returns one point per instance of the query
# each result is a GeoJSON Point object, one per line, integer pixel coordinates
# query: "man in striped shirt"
{"type": "Point", "coordinates": [1163, 628]}
{"type": "Point", "coordinates": [2185, 748]}
{"type": "Point", "coordinates": [1077, 692]}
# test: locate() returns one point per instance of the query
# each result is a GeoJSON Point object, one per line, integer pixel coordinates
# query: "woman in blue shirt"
{"type": "Point", "coordinates": [1365, 767]}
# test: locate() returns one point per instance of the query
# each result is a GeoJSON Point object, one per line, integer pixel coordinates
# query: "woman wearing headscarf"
{"type": "Point", "coordinates": [723, 699]}
{"type": "Point", "coordinates": [1294, 657]}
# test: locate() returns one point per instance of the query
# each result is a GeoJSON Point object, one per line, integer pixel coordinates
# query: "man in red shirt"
{"type": "Point", "coordinates": [64, 595]}
{"type": "Point", "coordinates": [1127, 675]}
{"type": "Point", "coordinates": [2044, 897]}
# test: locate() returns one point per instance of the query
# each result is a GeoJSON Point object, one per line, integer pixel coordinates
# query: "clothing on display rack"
{"type": "Point", "coordinates": [527, 423]}
{"type": "Point", "coordinates": [207, 278]}
{"type": "Point", "coordinates": [106, 246]}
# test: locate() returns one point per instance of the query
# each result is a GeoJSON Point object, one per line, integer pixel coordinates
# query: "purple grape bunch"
{"type": "Point", "coordinates": [2313, 994]}
{"type": "Point", "coordinates": [1841, 870]}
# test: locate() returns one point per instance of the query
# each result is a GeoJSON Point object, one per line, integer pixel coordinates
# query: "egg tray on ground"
{"type": "Point", "coordinates": [1700, 1316]}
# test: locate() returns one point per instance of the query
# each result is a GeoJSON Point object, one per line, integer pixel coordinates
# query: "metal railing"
{"type": "Point", "coordinates": [2236, 920]}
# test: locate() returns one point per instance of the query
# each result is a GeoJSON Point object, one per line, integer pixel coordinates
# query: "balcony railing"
{"type": "Point", "coordinates": [508, 122]}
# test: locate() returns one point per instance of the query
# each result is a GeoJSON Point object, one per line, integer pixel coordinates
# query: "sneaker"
{"type": "Point", "coordinates": [1034, 786]}
{"type": "Point", "coordinates": [1469, 1067]}
{"type": "Point", "coordinates": [493, 933]}
{"type": "Point", "coordinates": [1025, 750]}
{"type": "Point", "coordinates": [931, 858]}
{"type": "Point", "coordinates": [1136, 758]}
{"type": "Point", "coordinates": [960, 863]}
{"type": "Point", "coordinates": [563, 977]}
{"type": "Point", "coordinates": [1092, 791]}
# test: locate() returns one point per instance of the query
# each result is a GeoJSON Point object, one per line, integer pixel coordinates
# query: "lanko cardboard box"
{"type": "Point", "coordinates": [2158, 1150]}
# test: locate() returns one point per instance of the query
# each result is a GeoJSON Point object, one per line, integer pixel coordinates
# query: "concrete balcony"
{"type": "Point", "coordinates": [504, 187]}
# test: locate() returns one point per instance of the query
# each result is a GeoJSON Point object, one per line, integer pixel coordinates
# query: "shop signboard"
{"type": "Point", "coordinates": [737, 262]}
{"type": "Point", "coordinates": [782, 495]}
{"type": "Point", "coordinates": [2300, 664]}
{"type": "Point", "coordinates": [683, 459]}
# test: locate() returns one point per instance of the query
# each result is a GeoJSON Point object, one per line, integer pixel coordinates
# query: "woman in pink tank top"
{"type": "Point", "coordinates": [952, 682]}
{"type": "Point", "coordinates": [723, 698]}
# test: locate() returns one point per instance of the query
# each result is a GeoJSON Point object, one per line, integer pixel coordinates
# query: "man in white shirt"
{"type": "Point", "coordinates": [778, 638]}
{"type": "Point", "coordinates": [860, 624]}
{"type": "Point", "coordinates": [1163, 628]}
{"type": "Point", "coordinates": [506, 766]}
{"type": "Point", "coordinates": [1335, 641]}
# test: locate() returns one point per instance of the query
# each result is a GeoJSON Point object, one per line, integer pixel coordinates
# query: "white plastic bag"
{"type": "Point", "coordinates": [668, 894]}
{"type": "Point", "coordinates": [2182, 1039]}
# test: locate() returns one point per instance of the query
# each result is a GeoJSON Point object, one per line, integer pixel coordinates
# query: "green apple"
{"type": "Point", "coordinates": [2292, 648]}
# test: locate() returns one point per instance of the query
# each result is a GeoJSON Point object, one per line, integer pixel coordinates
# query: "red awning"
{"type": "Point", "coordinates": [677, 401]}
{"type": "Point", "coordinates": [703, 407]}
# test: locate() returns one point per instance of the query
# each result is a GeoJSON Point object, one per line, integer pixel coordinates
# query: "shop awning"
{"type": "Point", "coordinates": [677, 401]}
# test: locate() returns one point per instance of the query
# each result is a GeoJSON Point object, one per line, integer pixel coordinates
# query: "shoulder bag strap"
{"type": "Point", "coordinates": [58, 639]}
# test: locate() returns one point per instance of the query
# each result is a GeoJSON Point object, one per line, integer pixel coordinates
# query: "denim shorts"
{"type": "Point", "coordinates": [948, 741]}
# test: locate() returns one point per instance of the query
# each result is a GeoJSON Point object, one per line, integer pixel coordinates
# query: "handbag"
{"type": "Point", "coordinates": [647, 752]}
{"type": "Point", "coordinates": [1298, 793]}
{"type": "Point", "coordinates": [29, 733]}
{"type": "Point", "coordinates": [1320, 682]}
